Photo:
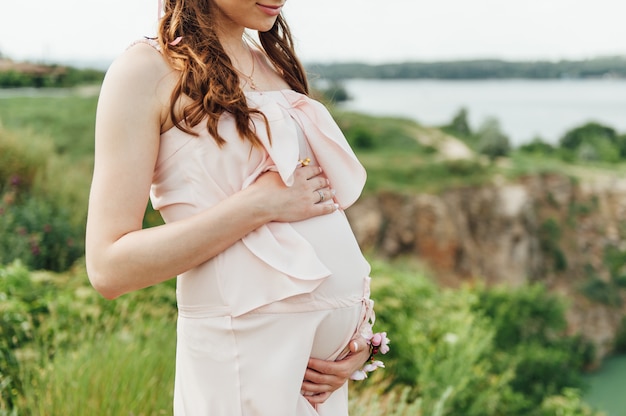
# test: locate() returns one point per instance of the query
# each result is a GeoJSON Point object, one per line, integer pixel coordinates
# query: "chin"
{"type": "Point", "coordinates": [264, 27]}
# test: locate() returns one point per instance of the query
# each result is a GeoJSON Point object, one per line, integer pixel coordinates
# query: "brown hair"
{"type": "Point", "coordinates": [207, 74]}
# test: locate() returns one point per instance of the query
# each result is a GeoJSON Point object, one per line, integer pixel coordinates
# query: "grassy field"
{"type": "Point", "coordinates": [64, 350]}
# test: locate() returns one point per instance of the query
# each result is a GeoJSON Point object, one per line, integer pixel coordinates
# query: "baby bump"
{"type": "Point", "coordinates": [335, 331]}
{"type": "Point", "coordinates": [241, 281]}
{"type": "Point", "coordinates": [324, 325]}
{"type": "Point", "coordinates": [336, 247]}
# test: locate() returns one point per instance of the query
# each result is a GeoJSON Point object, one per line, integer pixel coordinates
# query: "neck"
{"type": "Point", "coordinates": [229, 33]}
{"type": "Point", "coordinates": [242, 58]}
{"type": "Point", "coordinates": [233, 43]}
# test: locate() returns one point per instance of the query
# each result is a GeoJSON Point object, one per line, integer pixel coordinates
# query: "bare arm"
{"type": "Point", "coordinates": [121, 256]}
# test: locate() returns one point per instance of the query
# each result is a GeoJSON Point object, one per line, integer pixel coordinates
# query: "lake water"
{"type": "Point", "coordinates": [608, 387]}
{"type": "Point", "coordinates": [525, 108]}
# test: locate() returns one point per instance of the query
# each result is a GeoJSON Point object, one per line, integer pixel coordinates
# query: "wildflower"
{"type": "Point", "coordinates": [15, 180]}
{"type": "Point", "coordinates": [379, 343]}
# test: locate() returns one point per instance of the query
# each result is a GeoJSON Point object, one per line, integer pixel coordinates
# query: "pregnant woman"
{"type": "Point", "coordinates": [251, 177]}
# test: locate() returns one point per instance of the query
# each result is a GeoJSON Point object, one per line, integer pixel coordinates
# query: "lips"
{"type": "Point", "coordinates": [269, 9]}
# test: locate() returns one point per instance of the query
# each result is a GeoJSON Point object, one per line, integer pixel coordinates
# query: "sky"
{"type": "Point", "coordinates": [373, 31]}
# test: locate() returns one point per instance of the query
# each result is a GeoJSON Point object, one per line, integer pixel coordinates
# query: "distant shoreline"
{"type": "Point", "coordinates": [468, 69]}
{"type": "Point", "coordinates": [608, 67]}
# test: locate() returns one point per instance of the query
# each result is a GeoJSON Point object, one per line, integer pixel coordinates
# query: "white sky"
{"type": "Point", "coordinates": [340, 30]}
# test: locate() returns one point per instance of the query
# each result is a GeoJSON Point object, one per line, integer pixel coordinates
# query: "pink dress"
{"type": "Point", "coordinates": [250, 317]}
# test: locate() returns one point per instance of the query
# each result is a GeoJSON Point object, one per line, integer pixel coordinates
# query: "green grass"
{"type": "Point", "coordinates": [411, 173]}
{"type": "Point", "coordinates": [383, 134]}
{"type": "Point", "coordinates": [68, 120]}
{"type": "Point", "coordinates": [117, 374]}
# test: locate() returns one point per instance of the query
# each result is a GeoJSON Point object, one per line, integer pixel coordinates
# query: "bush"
{"type": "Point", "coordinates": [441, 348]}
{"type": "Point", "coordinates": [459, 125]}
{"type": "Point", "coordinates": [575, 137]}
{"type": "Point", "coordinates": [21, 158]}
{"type": "Point", "coordinates": [50, 76]}
{"type": "Point", "coordinates": [538, 147]}
{"type": "Point", "coordinates": [529, 326]}
{"type": "Point", "coordinates": [40, 234]}
{"type": "Point", "coordinates": [594, 142]}
{"type": "Point", "coordinates": [35, 226]}
{"type": "Point", "coordinates": [488, 351]}
{"type": "Point", "coordinates": [361, 139]}
{"type": "Point", "coordinates": [19, 312]}
{"type": "Point", "coordinates": [491, 141]}
{"type": "Point", "coordinates": [567, 403]}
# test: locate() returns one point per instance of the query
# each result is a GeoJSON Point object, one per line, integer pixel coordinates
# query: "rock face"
{"type": "Point", "coordinates": [548, 228]}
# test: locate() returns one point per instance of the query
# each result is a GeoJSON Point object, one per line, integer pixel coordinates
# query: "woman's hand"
{"type": "Point", "coordinates": [324, 377]}
{"type": "Point", "coordinates": [309, 196]}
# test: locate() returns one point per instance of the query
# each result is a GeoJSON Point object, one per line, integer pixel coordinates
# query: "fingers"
{"type": "Point", "coordinates": [320, 185]}
{"type": "Point", "coordinates": [311, 388]}
{"type": "Point", "coordinates": [359, 345]}
{"type": "Point", "coordinates": [324, 194]}
{"type": "Point", "coordinates": [323, 377]}
{"type": "Point", "coordinates": [314, 398]}
{"type": "Point", "coordinates": [308, 172]}
{"type": "Point", "coordinates": [323, 371]}
{"type": "Point", "coordinates": [318, 182]}
{"type": "Point", "coordinates": [317, 387]}
{"type": "Point", "coordinates": [317, 398]}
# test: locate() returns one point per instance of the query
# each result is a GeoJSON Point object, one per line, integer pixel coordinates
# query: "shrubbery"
{"type": "Point", "coordinates": [486, 351]}
{"type": "Point", "coordinates": [488, 139]}
{"type": "Point", "coordinates": [35, 226]}
{"type": "Point", "coordinates": [49, 318]}
{"type": "Point", "coordinates": [50, 76]}
{"type": "Point", "coordinates": [454, 352]}
{"type": "Point", "coordinates": [590, 142]}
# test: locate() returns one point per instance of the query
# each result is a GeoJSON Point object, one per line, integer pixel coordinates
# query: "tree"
{"type": "Point", "coordinates": [459, 126]}
{"type": "Point", "coordinates": [491, 141]}
{"type": "Point", "coordinates": [594, 142]}
{"type": "Point", "coordinates": [537, 146]}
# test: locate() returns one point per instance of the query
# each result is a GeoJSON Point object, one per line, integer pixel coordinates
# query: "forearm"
{"type": "Point", "coordinates": [146, 257]}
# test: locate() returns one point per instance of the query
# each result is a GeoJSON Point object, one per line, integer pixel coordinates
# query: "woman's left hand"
{"type": "Point", "coordinates": [324, 377]}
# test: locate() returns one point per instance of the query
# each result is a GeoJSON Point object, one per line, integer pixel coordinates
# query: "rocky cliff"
{"type": "Point", "coordinates": [568, 233]}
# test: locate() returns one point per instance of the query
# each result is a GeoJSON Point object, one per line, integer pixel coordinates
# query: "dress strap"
{"type": "Point", "coordinates": [147, 41]}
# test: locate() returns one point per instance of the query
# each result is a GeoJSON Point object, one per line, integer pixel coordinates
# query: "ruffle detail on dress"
{"type": "Point", "coordinates": [341, 166]}
{"type": "Point", "coordinates": [278, 244]}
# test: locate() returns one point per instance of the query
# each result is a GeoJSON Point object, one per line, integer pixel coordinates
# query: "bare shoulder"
{"type": "Point", "coordinates": [141, 60]}
{"type": "Point", "coordinates": [140, 65]}
{"type": "Point", "coordinates": [139, 78]}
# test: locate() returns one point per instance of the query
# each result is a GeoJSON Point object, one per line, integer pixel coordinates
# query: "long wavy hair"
{"type": "Point", "coordinates": [207, 74]}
